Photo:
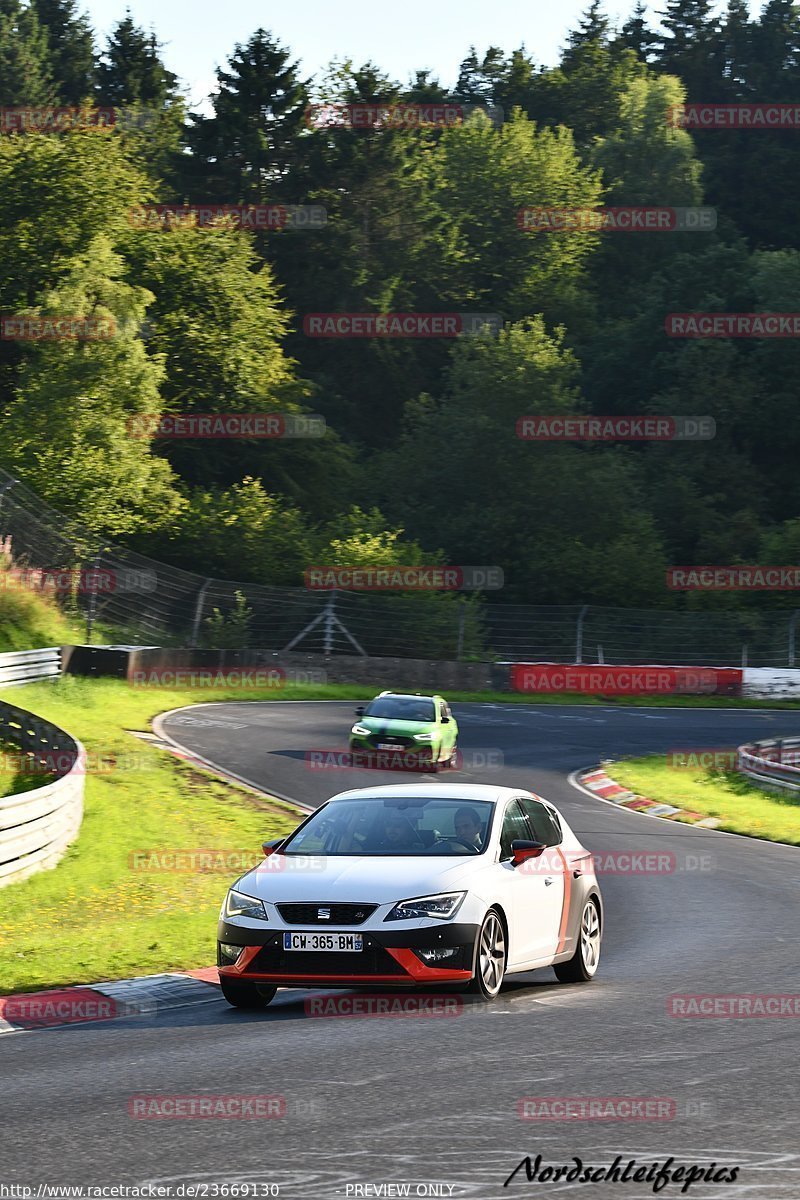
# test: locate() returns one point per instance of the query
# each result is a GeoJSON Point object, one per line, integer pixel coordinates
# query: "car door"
{"type": "Point", "coordinates": [550, 872]}
{"type": "Point", "coordinates": [525, 891]}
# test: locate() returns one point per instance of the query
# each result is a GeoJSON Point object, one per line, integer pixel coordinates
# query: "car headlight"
{"type": "Point", "coordinates": [423, 737]}
{"type": "Point", "coordinates": [238, 905]}
{"type": "Point", "coordinates": [360, 730]}
{"type": "Point", "coordinates": [442, 907]}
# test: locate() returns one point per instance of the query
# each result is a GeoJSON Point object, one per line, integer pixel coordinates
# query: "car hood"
{"type": "Point", "coordinates": [394, 725]}
{"type": "Point", "coordinates": [378, 879]}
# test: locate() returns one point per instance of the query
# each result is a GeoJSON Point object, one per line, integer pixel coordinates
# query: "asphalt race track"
{"type": "Point", "coordinates": [409, 1100]}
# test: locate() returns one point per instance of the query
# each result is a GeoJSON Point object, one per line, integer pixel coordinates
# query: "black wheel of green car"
{"type": "Point", "coordinates": [490, 959]}
{"type": "Point", "coordinates": [584, 963]}
{"type": "Point", "coordinates": [246, 995]}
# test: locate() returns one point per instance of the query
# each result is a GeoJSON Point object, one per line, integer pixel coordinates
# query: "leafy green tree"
{"type": "Point", "coordinates": [645, 161]}
{"type": "Point", "coordinates": [231, 630]}
{"type": "Point", "coordinates": [242, 532]}
{"type": "Point", "coordinates": [566, 522]}
{"type": "Point", "coordinates": [69, 430]}
{"type": "Point", "coordinates": [70, 48]}
{"type": "Point", "coordinates": [219, 323]}
{"type": "Point", "coordinates": [46, 217]}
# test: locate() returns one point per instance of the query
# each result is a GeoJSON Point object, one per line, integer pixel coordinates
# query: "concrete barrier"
{"type": "Point", "coordinates": [140, 664]}
{"type": "Point", "coordinates": [772, 683]}
{"type": "Point", "coordinates": [37, 826]}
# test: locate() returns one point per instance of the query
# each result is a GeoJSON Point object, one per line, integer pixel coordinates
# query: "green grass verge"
{"type": "Point", "coordinates": [738, 805]}
{"type": "Point", "coordinates": [94, 917]}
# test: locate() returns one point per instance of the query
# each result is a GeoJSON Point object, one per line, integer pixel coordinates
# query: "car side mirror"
{"type": "Point", "coordinates": [359, 712]}
{"type": "Point", "coordinates": [445, 720]}
{"type": "Point", "coordinates": [521, 851]}
{"type": "Point", "coordinates": [271, 847]}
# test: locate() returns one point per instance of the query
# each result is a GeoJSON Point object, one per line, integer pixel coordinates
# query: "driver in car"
{"type": "Point", "coordinates": [398, 835]}
{"type": "Point", "coordinates": [467, 825]}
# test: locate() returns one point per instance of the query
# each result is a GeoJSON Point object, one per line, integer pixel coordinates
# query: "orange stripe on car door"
{"type": "Point", "coordinates": [562, 932]}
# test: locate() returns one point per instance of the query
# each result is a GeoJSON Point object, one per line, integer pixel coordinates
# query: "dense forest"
{"type": "Point", "coordinates": [421, 462]}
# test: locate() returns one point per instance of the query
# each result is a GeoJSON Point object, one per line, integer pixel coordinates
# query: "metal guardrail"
{"type": "Point", "coordinates": [29, 666]}
{"type": "Point", "coordinates": [773, 764]}
{"type": "Point", "coordinates": [37, 826]}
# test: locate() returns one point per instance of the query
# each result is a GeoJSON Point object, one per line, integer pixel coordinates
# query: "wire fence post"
{"type": "Point", "coordinates": [579, 634]}
{"type": "Point", "coordinates": [462, 621]}
{"type": "Point", "coordinates": [793, 635]}
{"type": "Point", "coordinates": [91, 611]}
{"type": "Point", "coordinates": [198, 613]}
{"type": "Point", "coordinates": [744, 656]}
{"type": "Point", "coordinates": [330, 620]}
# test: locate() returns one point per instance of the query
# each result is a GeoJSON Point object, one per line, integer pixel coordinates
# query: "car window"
{"type": "Point", "coordinates": [515, 828]}
{"type": "Point", "coordinates": [396, 826]}
{"type": "Point", "coordinates": [402, 708]}
{"type": "Point", "coordinates": [545, 827]}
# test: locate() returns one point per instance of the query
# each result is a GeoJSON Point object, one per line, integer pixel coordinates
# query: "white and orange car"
{"type": "Point", "coordinates": [414, 885]}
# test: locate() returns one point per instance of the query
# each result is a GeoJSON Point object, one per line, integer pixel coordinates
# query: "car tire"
{"type": "Point", "coordinates": [584, 963]}
{"type": "Point", "coordinates": [491, 958]}
{"type": "Point", "coordinates": [246, 995]}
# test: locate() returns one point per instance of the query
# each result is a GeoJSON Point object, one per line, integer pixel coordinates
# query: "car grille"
{"type": "Point", "coordinates": [399, 743]}
{"type": "Point", "coordinates": [339, 914]}
{"type": "Point", "coordinates": [373, 960]}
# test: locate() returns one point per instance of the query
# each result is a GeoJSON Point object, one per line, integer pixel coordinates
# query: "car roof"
{"type": "Point", "coordinates": [408, 696]}
{"type": "Point", "coordinates": [433, 791]}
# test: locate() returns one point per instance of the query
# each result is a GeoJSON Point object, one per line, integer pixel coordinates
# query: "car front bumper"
{"type": "Point", "coordinates": [365, 750]}
{"type": "Point", "coordinates": [389, 957]}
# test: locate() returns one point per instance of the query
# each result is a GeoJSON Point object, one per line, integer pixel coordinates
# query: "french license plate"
{"type": "Point", "coordinates": [337, 942]}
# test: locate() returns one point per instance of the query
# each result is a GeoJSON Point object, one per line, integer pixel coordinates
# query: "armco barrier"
{"type": "Point", "coordinates": [37, 826]}
{"type": "Point", "coordinates": [773, 764]}
{"type": "Point", "coordinates": [596, 679]}
{"type": "Point", "coordinates": [29, 666]}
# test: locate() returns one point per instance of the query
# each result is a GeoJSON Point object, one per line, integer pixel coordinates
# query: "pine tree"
{"type": "Point", "coordinates": [70, 46]}
{"type": "Point", "coordinates": [636, 34]}
{"type": "Point", "coordinates": [737, 48]}
{"type": "Point", "coordinates": [250, 145]}
{"type": "Point", "coordinates": [131, 70]}
{"type": "Point", "coordinates": [25, 73]}
{"type": "Point", "coordinates": [478, 80]}
{"type": "Point", "coordinates": [592, 28]}
{"type": "Point", "coordinates": [424, 90]}
{"type": "Point", "coordinates": [690, 47]}
{"type": "Point", "coordinates": [775, 67]}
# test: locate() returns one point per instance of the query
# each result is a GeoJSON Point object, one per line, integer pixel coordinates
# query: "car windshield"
{"type": "Point", "coordinates": [402, 708]}
{"type": "Point", "coordinates": [405, 826]}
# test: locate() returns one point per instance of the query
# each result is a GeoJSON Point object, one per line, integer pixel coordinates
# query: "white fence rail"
{"type": "Point", "coordinates": [29, 666]}
{"type": "Point", "coordinates": [773, 764]}
{"type": "Point", "coordinates": [37, 826]}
